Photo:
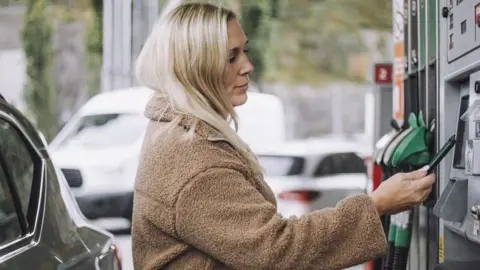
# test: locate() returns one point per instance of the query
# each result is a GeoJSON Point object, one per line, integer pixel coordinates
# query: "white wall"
{"type": "Point", "coordinates": [12, 76]}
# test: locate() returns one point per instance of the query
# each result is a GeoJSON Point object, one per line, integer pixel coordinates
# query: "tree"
{"type": "Point", "coordinates": [94, 48]}
{"type": "Point", "coordinates": [256, 17]}
{"type": "Point", "coordinates": [37, 44]}
{"type": "Point", "coordinates": [313, 39]}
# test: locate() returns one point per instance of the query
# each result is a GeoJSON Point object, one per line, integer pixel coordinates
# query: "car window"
{"type": "Point", "coordinates": [9, 223]}
{"type": "Point", "coordinates": [353, 163]}
{"type": "Point", "coordinates": [274, 165]}
{"type": "Point", "coordinates": [19, 161]}
{"type": "Point", "coordinates": [339, 163]}
{"type": "Point", "coordinates": [104, 130]}
{"type": "Point", "coordinates": [325, 167]}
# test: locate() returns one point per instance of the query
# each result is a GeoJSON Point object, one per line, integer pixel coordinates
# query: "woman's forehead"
{"type": "Point", "coordinates": [236, 36]}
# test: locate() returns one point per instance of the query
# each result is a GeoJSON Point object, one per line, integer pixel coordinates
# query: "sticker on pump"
{"type": "Point", "coordinates": [477, 15]}
{"type": "Point", "coordinates": [383, 73]}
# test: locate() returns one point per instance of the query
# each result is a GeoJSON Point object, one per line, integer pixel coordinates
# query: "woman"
{"type": "Point", "coordinates": [200, 198]}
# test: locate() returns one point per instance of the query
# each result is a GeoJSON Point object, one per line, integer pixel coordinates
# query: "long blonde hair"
{"type": "Point", "coordinates": [185, 57]}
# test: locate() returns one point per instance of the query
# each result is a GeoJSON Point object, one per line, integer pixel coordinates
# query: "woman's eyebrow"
{"type": "Point", "coordinates": [236, 49]}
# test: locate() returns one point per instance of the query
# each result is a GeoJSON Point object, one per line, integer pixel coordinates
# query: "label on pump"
{"type": "Point", "coordinates": [477, 130]}
{"type": "Point", "coordinates": [472, 152]}
{"type": "Point", "coordinates": [469, 157]}
{"type": "Point", "coordinates": [473, 112]}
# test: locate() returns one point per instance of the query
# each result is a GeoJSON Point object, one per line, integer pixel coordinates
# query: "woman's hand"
{"type": "Point", "coordinates": [402, 191]}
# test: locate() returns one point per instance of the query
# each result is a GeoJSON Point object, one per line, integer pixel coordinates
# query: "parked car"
{"type": "Point", "coordinates": [41, 226]}
{"type": "Point", "coordinates": [98, 149]}
{"type": "Point", "coordinates": [308, 175]}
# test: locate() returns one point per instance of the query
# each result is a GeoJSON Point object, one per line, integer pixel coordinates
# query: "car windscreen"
{"type": "Point", "coordinates": [276, 165]}
{"type": "Point", "coordinates": [339, 163]}
{"type": "Point", "coordinates": [105, 130]}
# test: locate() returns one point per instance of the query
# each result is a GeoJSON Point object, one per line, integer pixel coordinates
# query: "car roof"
{"type": "Point", "coordinates": [125, 100]}
{"type": "Point", "coordinates": [314, 147]}
{"type": "Point", "coordinates": [134, 100]}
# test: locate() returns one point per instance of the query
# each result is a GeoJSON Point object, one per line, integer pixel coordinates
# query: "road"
{"type": "Point", "coordinates": [122, 238]}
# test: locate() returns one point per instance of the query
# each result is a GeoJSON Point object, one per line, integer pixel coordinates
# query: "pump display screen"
{"type": "Point", "coordinates": [462, 135]}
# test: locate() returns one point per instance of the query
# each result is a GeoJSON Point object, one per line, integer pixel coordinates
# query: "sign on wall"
{"type": "Point", "coordinates": [399, 60]}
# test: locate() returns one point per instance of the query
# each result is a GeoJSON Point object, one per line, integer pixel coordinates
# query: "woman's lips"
{"type": "Point", "coordinates": [243, 86]}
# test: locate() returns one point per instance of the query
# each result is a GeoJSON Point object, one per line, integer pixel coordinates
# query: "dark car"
{"type": "Point", "coordinates": [41, 226]}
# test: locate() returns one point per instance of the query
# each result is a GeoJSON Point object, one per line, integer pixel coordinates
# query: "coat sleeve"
{"type": "Point", "coordinates": [220, 213]}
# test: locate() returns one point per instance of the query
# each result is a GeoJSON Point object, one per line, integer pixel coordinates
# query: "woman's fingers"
{"type": "Point", "coordinates": [418, 174]}
{"type": "Point", "coordinates": [425, 182]}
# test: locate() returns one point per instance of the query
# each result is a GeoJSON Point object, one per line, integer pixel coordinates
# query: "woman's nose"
{"type": "Point", "coordinates": [247, 67]}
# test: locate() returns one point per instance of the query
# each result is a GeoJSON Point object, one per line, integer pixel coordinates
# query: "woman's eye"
{"type": "Point", "coordinates": [234, 58]}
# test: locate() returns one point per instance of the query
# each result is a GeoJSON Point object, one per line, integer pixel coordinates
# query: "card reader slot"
{"type": "Point", "coordinates": [452, 204]}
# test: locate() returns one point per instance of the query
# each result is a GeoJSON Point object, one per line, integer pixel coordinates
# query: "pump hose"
{"type": "Point", "coordinates": [403, 236]}
{"type": "Point", "coordinates": [388, 262]}
{"type": "Point", "coordinates": [400, 258]}
{"type": "Point", "coordinates": [389, 257]}
{"type": "Point", "coordinates": [402, 241]}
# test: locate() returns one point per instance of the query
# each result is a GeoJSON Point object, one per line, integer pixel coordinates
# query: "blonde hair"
{"type": "Point", "coordinates": [185, 57]}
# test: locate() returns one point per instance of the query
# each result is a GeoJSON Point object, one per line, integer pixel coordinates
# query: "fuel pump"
{"type": "Point", "coordinates": [407, 152]}
{"type": "Point", "coordinates": [382, 158]}
{"type": "Point", "coordinates": [414, 105]}
{"type": "Point", "coordinates": [457, 205]}
{"type": "Point", "coordinates": [458, 101]}
{"type": "Point", "coordinates": [410, 154]}
{"type": "Point", "coordinates": [390, 222]}
{"type": "Point", "coordinates": [436, 70]}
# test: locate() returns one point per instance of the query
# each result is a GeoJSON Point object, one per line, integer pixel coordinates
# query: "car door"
{"type": "Point", "coordinates": [36, 228]}
{"type": "Point", "coordinates": [22, 172]}
{"type": "Point", "coordinates": [338, 176]}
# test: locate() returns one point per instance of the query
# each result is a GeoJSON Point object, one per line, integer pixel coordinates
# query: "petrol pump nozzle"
{"type": "Point", "coordinates": [401, 156]}
{"type": "Point", "coordinates": [414, 146]}
{"type": "Point", "coordinates": [382, 145]}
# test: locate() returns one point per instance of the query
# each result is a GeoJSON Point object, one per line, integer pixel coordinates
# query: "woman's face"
{"type": "Point", "coordinates": [238, 67]}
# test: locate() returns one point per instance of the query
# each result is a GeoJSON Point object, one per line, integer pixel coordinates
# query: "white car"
{"type": "Point", "coordinates": [98, 149]}
{"type": "Point", "coordinates": [310, 175]}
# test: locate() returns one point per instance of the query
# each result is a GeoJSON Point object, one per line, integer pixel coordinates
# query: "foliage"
{"type": "Point", "coordinates": [37, 44]}
{"type": "Point", "coordinates": [79, 5]}
{"type": "Point", "coordinates": [94, 48]}
{"type": "Point", "coordinates": [65, 14]}
{"type": "Point", "coordinates": [6, 3]}
{"type": "Point", "coordinates": [256, 17]}
{"type": "Point", "coordinates": [313, 40]}
{"type": "Point", "coordinates": [161, 3]}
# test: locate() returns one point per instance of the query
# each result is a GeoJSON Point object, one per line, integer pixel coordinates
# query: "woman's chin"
{"type": "Point", "coordinates": [239, 99]}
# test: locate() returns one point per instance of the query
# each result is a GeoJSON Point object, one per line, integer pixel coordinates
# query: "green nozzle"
{"type": "Point", "coordinates": [413, 150]}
